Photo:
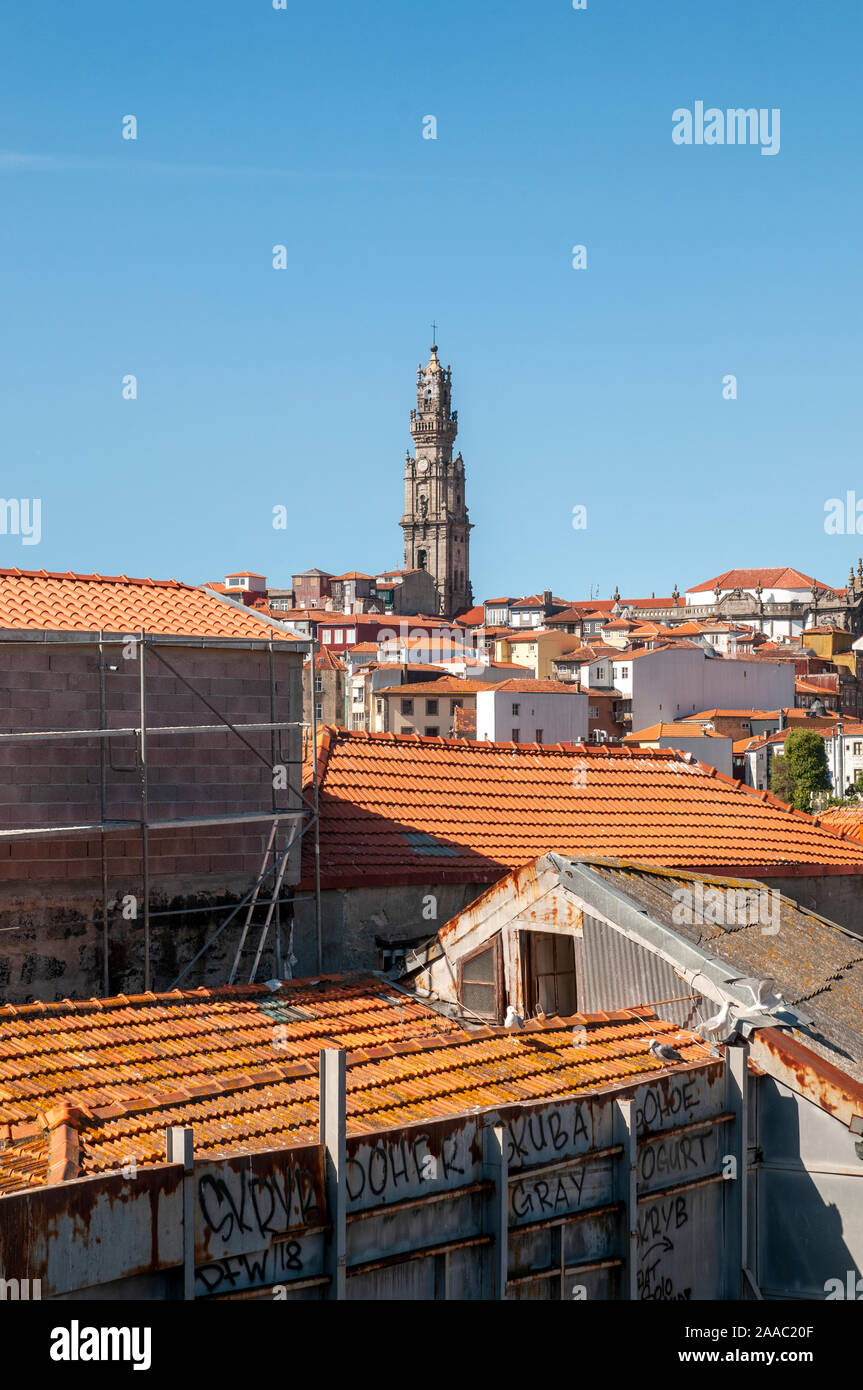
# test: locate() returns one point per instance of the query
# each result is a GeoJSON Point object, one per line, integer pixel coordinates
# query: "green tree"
{"type": "Point", "coordinates": [781, 780]}
{"type": "Point", "coordinates": [806, 762]}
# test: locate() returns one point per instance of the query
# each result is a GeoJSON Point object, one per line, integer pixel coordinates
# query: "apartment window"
{"type": "Point", "coordinates": [432, 730]}
{"type": "Point", "coordinates": [600, 673]}
{"type": "Point", "coordinates": [457, 704]}
{"type": "Point", "coordinates": [319, 711]}
{"type": "Point", "coordinates": [480, 982]}
{"type": "Point", "coordinates": [858, 749]}
{"type": "Point", "coordinates": [593, 711]}
{"type": "Point", "coordinates": [358, 721]}
{"type": "Point", "coordinates": [379, 706]}
{"type": "Point", "coordinates": [538, 738]}
{"type": "Point", "coordinates": [516, 735]}
{"type": "Point", "coordinates": [358, 694]}
{"type": "Point", "coordinates": [407, 706]}
{"type": "Point", "coordinates": [326, 637]}
{"type": "Point", "coordinates": [516, 709]}
{"type": "Point", "coordinates": [338, 635]}
{"type": "Point", "coordinates": [350, 634]}
{"type": "Point", "coordinates": [431, 706]}
{"type": "Point", "coordinates": [319, 684]}
{"type": "Point", "coordinates": [624, 673]}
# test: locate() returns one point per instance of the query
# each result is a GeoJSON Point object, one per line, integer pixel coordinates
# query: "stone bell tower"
{"type": "Point", "coordinates": [435, 522]}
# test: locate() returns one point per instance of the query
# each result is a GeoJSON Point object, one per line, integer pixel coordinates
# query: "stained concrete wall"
{"type": "Point", "coordinates": [51, 898]}
{"type": "Point", "coordinates": [838, 897]}
{"type": "Point", "coordinates": [353, 917]}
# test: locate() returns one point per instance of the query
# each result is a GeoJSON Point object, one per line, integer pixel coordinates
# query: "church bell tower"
{"type": "Point", "coordinates": [435, 522]}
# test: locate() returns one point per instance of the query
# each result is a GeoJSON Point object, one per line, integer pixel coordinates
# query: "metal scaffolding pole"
{"type": "Point", "coordinates": [145, 829]}
{"type": "Point", "coordinates": [317, 840]}
{"type": "Point", "coordinates": [103, 827]}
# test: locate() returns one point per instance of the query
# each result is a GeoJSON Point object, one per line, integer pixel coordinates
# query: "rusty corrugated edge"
{"type": "Point", "coordinates": [786, 1059]}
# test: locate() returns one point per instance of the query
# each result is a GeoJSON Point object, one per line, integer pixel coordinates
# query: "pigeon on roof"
{"type": "Point", "coordinates": [664, 1051]}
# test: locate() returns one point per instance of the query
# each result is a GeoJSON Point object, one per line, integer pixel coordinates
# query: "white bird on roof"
{"type": "Point", "coordinates": [664, 1051]}
{"type": "Point", "coordinates": [766, 993]}
{"type": "Point", "coordinates": [513, 1019]}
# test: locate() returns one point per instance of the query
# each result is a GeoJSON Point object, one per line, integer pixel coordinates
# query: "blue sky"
{"type": "Point", "coordinates": [258, 387]}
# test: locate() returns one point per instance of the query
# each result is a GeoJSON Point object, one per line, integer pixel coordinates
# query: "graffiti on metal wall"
{"type": "Point", "coordinates": [659, 1227]}
{"type": "Point", "coordinates": [250, 1221]}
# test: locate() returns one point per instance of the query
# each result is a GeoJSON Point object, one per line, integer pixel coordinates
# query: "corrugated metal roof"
{"type": "Point", "coordinates": [818, 964]}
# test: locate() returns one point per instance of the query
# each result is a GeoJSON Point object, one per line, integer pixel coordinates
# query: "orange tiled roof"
{"type": "Point", "coordinates": [326, 660]}
{"type": "Point", "coordinates": [676, 730]}
{"type": "Point", "coordinates": [472, 617]}
{"type": "Point", "coordinates": [777, 578]}
{"type": "Point", "coordinates": [534, 687]}
{"type": "Point", "coordinates": [404, 808]}
{"type": "Point", "coordinates": [36, 600]}
{"type": "Point", "coordinates": [844, 818]}
{"type": "Point", "coordinates": [734, 714]}
{"type": "Point", "coordinates": [746, 745]}
{"type": "Point", "coordinates": [447, 685]}
{"type": "Point", "coordinates": [239, 1064]}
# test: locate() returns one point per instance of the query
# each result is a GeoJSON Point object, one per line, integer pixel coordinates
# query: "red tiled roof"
{"type": "Point", "coordinates": [847, 819]}
{"type": "Point", "coordinates": [401, 808]}
{"type": "Point", "coordinates": [240, 1066]}
{"type": "Point", "coordinates": [535, 601]}
{"type": "Point", "coordinates": [777, 578]}
{"type": "Point", "coordinates": [809, 688]}
{"type": "Point", "coordinates": [676, 730]}
{"type": "Point", "coordinates": [245, 574]}
{"type": "Point", "coordinates": [43, 600]}
{"type": "Point", "coordinates": [734, 714]}
{"type": "Point", "coordinates": [596, 651]}
{"type": "Point", "coordinates": [327, 660]}
{"type": "Point", "coordinates": [447, 685]}
{"type": "Point", "coordinates": [534, 687]}
{"type": "Point", "coordinates": [472, 617]}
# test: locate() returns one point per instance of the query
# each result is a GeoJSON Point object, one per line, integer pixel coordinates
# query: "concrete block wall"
{"type": "Point", "coordinates": [51, 887]}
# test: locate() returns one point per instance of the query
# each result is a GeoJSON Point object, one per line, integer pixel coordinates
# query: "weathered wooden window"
{"type": "Point", "coordinates": [550, 975]}
{"type": "Point", "coordinates": [481, 982]}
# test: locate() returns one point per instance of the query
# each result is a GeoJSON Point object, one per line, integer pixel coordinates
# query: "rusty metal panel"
{"type": "Point", "coordinates": [95, 1231]}
{"type": "Point", "coordinates": [412, 1161]}
{"type": "Point", "coordinates": [680, 1245]}
{"type": "Point", "coordinates": [617, 973]}
{"type": "Point", "coordinates": [807, 1164]}
{"type": "Point", "coordinates": [258, 1220]}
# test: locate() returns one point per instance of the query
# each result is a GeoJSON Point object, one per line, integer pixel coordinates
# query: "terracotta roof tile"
{"type": "Point", "coordinates": [777, 578]}
{"type": "Point", "coordinates": [412, 809]}
{"type": "Point", "coordinates": [39, 600]}
{"type": "Point", "coordinates": [85, 1087]}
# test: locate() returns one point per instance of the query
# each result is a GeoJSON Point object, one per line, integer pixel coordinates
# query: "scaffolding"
{"type": "Point", "coordinates": [301, 820]}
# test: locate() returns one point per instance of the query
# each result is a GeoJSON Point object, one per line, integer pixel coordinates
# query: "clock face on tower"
{"type": "Point", "coordinates": [422, 465]}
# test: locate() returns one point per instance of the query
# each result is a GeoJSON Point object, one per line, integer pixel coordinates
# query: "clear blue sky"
{"type": "Point", "coordinates": [260, 387]}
